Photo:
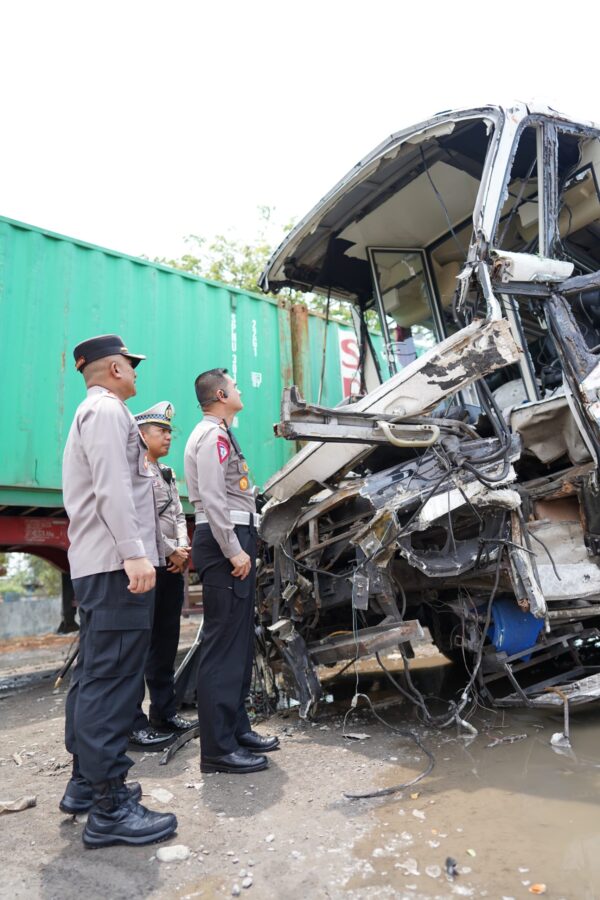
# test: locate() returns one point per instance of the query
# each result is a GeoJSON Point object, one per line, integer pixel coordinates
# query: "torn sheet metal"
{"type": "Point", "coordinates": [564, 545]}
{"type": "Point", "coordinates": [452, 365]}
{"type": "Point", "coordinates": [549, 431]}
{"type": "Point", "coordinates": [528, 592]}
{"type": "Point", "coordinates": [475, 492]}
{"type": "Point", "coordinates": [294, 652]}
{"type": "Point", "coordinates": [584, 690]}
{"type": "Point", "coordinates": [527, 267]}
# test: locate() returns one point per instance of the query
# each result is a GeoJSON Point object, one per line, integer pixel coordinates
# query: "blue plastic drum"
{"type": "Point", "coordinates": [512, 630]}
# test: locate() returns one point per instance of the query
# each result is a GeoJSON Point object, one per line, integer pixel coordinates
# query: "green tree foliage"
{"type": "Point", "coordinates": [28, 574]}
{"type": "Point", "coordinates": [230, 260]}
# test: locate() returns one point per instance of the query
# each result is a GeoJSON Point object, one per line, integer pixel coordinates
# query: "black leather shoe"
{"type": "Point", "coordinates": [117, 819]}
{"type": "Point", "coordinates": [253, 741]}
{"type": "Point", "coordinates": [78, 795]}
{"type": "Point", "coordinates": [146, 737]}
{"type": "Point", "coordinates": [174, 723]}
{"type": "Point", "coordinates": [238, 762]}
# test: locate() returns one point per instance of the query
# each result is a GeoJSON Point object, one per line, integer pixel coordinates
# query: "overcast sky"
{"type": "Point", "coordinates": [133, 124]}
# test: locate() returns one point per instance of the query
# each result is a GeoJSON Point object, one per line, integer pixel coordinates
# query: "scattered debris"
{"type": "Point", "coordinates": [537, 889]}
{"type": "Point", "coordinates": [418, 813]}
{"type": "Point", "coordinates": [357, 736]}
{"type": "Point", "coordinates": [451, 867]}
{"type": "Point", "coordinates": [269, 838]}
{"type": "Point", "coordinates": [433, 871]}
{"type": "Point", "coordinates": [410, 866]}
{"type": "Point", "coordinates": [561, 740]}
{"type": "Point", "coordinates": [247, 882]}
{"type": "Point", "coordinates": [162, 795]}
{"type": "Point", "coordinates": [173, 854]}
{"type": "Point", "coordinates": [236, 890]}
{"type": "Point", "coordinates": [507, 739]}
{"type": "Point", "coordinates": [471, 852]}
{"type": "Point", "coordinates": [19, 805]}
{"type": "Point", "coordinates": [17, 759]}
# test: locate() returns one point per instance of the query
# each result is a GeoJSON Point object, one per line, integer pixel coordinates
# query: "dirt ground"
{"type": "Point", "coordinates": [511, 815]}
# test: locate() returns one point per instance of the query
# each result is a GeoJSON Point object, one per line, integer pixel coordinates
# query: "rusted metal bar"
{"type": "Point", "coordinates": [366, 642]}
{"type": "Point", "coordinates": [300, 357]}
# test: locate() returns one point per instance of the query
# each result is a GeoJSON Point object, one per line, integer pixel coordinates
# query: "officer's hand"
{"type": "Point", "coordinates": [178, 560]}
{"type": "Point", "coordinates": [242, 564]}
{"type": "Point", "coordinates": [141, 574]}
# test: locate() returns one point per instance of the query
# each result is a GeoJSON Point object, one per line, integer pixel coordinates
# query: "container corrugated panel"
{"type": "Point", "coordinates": [56, 291]}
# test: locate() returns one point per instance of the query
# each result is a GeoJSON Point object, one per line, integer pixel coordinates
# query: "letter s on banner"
{"type": "Point", "coordinates": [349, 363]}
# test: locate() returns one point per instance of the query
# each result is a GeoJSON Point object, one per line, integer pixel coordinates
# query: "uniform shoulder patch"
{"type": "Point", "coordinates": [223, 449]}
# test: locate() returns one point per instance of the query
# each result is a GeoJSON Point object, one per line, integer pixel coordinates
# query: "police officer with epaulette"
{"type": "Point", "coordinates": [156, 426]}
{"type": "Point", "coordinates": [115, 544]}
{"type": "Point", "coordinates": [224, 554]}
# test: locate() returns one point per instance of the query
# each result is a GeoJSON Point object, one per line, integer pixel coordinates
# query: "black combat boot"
{"type": "Point", "coordinates": [78, 793]}
{"type": "Point", "coordinates": [117, 819]}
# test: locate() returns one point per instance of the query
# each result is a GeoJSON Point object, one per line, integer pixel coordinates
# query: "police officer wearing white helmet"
{"type": "Point", "coordinates": [156, 427]}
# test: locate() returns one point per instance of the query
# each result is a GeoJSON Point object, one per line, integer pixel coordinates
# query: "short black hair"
{"type": "Point", "coordinates": [208, 383]}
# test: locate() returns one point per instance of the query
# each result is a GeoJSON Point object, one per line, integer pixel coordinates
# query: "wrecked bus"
{"type": "Point", "coordinates": [459, 489]}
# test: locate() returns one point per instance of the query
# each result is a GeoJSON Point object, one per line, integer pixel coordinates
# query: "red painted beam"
{"type": "Point", "coordinates": [53, 555]}
{"type": "Point", "coordinates": [25, 533]}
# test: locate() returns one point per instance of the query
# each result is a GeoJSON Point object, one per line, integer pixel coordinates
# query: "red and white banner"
{"type": "Point", "coordinates": [349, 360]}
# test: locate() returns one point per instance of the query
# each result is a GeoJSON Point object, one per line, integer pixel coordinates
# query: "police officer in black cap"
{"type": "Point", "coordinates": [115, 544]}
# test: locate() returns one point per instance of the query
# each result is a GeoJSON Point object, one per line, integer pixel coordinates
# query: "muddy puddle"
{"type": "Point", "coordinates": [512, 812]}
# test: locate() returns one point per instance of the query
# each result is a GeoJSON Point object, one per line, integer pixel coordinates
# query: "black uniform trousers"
{"type": "Point", "coordinates": [227, 648]}
{"type": "Point", "coordinates": [114, 637]}
{"type": "Point", "coordinates": [168, 601]}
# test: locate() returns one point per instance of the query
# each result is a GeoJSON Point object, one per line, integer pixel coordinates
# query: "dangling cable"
{"type": "Point", "coordinates": [322, 380]}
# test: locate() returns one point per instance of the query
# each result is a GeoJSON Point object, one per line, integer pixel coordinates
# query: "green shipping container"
{"type": "Point", "coordinates": [56, 291]}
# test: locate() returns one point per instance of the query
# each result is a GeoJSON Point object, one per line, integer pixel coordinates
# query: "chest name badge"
{"type": "Point", "coordinates": [223, 449]}
{"type": "Point", "coordinates": [244, 483]}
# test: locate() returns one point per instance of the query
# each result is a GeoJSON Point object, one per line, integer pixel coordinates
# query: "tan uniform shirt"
{"type": "Point", "coordinates": [107, 488]}
{"type": "Point", "coordinates": [217, 480]}
{"type": "Point", "coordinates": [170, 511]}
